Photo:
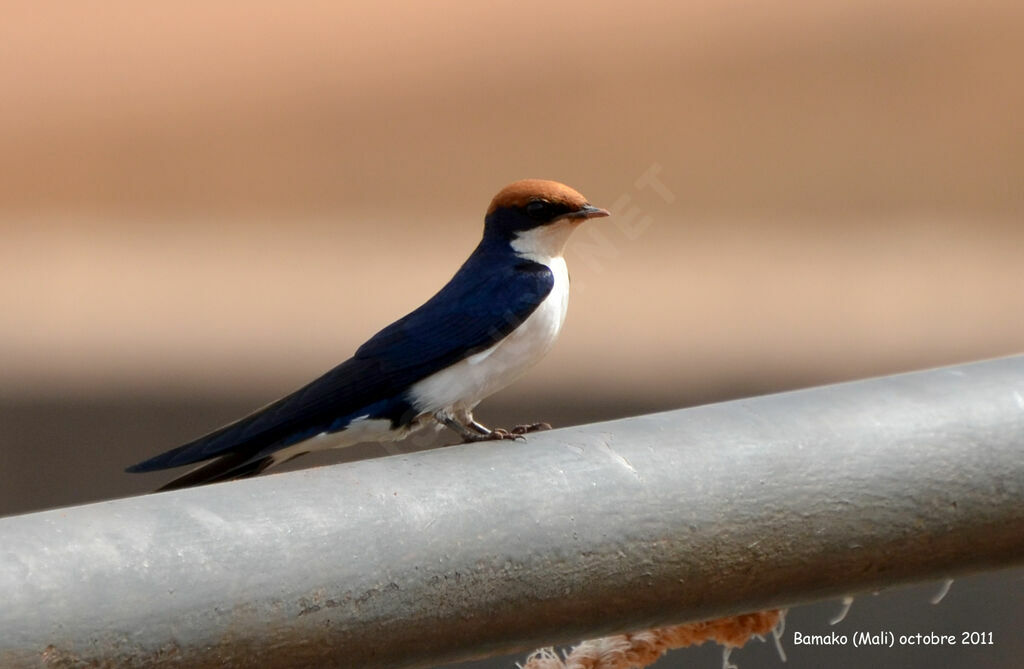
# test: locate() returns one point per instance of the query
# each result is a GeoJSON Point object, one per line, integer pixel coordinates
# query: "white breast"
{"type": "Point", "coordinates": [465, 383]}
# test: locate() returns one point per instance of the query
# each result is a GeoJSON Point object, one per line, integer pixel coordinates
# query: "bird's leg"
{"type": "Point", "coordinates": [495, 433]}
{"type": "Point", "coordinates": [490, 433]}
{"type": "Point", "coordinates": [471, 430]}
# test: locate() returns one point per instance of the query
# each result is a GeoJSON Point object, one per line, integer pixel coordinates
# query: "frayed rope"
{"type": "Point", "coordinates": [641, 649]}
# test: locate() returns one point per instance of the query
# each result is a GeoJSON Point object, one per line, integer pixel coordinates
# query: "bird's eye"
{"type": "Point", "coordinates": [538, 209]}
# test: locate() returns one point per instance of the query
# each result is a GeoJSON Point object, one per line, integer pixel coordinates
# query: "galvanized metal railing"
{"type": "Point", "coordinates": [489, 548]}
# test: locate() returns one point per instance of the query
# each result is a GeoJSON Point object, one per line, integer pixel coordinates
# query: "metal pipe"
{"type": "Point", "coordinates": [489, 548]}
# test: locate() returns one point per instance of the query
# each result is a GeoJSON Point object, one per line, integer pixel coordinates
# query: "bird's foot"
{"type": "Point", "coordinates": [530, 427]}
{"type": "Point", "coordinates": [515, 434]}
{"type": "Point", "coordinates": [500, 433]}
{"type": "Point", "coordinates": [497, 434]}
{"type": "Point", "coordinates": [474, 431]}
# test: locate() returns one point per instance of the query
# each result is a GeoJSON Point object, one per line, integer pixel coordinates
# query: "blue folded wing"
{"type": "Point", "coordinates": [477, 308]}
{"type": "Point", "coordinates": [486, 299]}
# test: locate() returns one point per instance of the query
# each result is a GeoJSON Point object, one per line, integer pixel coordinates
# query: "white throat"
{"type": "Point", "coordinates": [543, 243]}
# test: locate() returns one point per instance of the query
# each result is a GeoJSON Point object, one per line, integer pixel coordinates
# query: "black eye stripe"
{"type": "Point", "coordinates": [537, 207]}
{"type": "Point", "coordinates": [543, 210]}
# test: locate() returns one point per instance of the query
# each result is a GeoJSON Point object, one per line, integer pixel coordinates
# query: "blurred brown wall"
{"type": "Point", "coordinates": [120, 107]}
{"type": "Point", "coordinates": [218, 195]}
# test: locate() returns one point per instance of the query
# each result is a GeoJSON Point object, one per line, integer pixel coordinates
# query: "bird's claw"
{"type": "Point", "coordinates": [499, 433]}
{"type": "Point", "coordinates": [530, 427]}
{"type": "Point", "coordinates": [496, 434]}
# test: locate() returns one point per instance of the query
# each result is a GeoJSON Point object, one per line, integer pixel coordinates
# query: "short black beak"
{"type": "Point", "coordinates": [589, 211]}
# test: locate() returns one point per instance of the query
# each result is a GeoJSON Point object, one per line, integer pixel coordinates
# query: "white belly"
{"type": "Point", "coordinates": [468, 381]}
{"type": "Point", "coordinates": [361, 429]}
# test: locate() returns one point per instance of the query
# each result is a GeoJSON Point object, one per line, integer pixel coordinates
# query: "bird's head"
{"type": "Point", "coordinates": [536, 217]}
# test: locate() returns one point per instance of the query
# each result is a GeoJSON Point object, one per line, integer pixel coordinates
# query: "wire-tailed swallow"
{"type": "Point", "coordinates": [498, 316]}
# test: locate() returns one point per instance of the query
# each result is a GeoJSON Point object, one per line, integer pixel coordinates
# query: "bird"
{"type": "Point", "coordinates": [498, 315]}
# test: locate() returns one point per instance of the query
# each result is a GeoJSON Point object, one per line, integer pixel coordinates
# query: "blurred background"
{"type": "Point", "coordinates": [204, 206]}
